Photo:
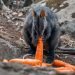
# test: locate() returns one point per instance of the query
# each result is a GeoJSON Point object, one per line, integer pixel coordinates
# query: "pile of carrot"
{"type": "Point", "coordinates": [38, 61]}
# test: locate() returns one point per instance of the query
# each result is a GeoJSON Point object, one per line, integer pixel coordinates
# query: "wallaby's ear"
{"type": "Point", "coordinates": [33, 13]}
{"type": "Point", "coordinates": [42, 13]}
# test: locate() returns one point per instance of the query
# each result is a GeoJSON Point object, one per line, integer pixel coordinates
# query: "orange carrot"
{"type": "Point", "coordinates": [69, 65]}
{"type": "Point", "coordinates": [58, 63]}
{"type": "Point", "coordinates": [39, 50]}
{"type": "Point", "coordinates": [5, 60]}
{"type": "Point", "coordinates": [46, 64]}
{"type": "Point", "coordinates": [64, 69]}
{"type": "Point", "coordinates": [32, 62]}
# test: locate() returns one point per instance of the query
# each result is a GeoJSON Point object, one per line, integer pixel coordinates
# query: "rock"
{"type": "Point", "coordinates": [14, 13]}
{"type": "Point", "coordinates": [20, 14]}
{"type": "Point", "coordinates": [8, 51]}
{"type": "Point", "coordinates": [66, 13]}
{"type": "Point", "coordinates": [66, 16]}
{"type": "Point", "coordinates": [19, 69]}
{"type": "Point", "coordinates": [69, 28]}
{"type": "Point", "coordinates": [65, 9]}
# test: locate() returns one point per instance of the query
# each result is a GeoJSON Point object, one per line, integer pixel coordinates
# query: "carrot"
{"type": "Point", "coordinates": [46, 64]}
{"type": "Point", "coordinates": [5, 60]}
{"type": "Point", "coordinates": [39, 50]}
{"type": "Point", "coordinates": [69, 65]}
{"type": "Point", "coordinates": [58, 63]}
{"type": "Point", "coordinates": [32, 62]}
{"type": "Point", "coordinates": [64, 69]}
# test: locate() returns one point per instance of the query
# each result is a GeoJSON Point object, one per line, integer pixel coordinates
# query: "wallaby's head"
{"type": "Point", "coordinates": [39, 23]}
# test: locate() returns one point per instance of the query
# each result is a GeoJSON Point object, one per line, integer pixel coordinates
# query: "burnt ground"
{"type": "Point", "coordinates": [12, 45]}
